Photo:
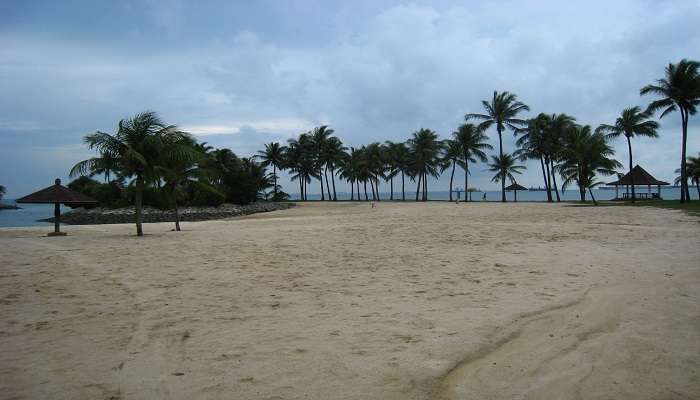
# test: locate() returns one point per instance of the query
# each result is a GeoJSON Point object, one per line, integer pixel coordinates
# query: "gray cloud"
{"type": "Point", "coordinates": [374, 71]}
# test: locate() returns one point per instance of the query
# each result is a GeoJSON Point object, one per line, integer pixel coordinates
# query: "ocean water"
{"type": "Point", "coordinates": [495, 195]}
{"type": "Point", "coordinates": [29, 214]}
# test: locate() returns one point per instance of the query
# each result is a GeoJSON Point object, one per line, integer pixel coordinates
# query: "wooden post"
{"type": "Point", "coordinates": [57, 221]}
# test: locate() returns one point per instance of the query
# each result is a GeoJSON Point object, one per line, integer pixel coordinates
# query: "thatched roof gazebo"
{"type": "Point", "coordinates": [57, 195]}
{"type": "Point", "coordinates": [515, 187]}
{"type": "Point", "coordinates": [638, 177]}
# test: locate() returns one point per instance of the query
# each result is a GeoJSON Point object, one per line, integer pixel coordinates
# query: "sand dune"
{"type": "Point", "coordinates": [342, 301]}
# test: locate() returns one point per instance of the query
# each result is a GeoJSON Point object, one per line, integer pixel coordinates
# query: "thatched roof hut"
{"type": "Point", "coordinates": [57, 195]}
{"type": "Point", "coordinates": [639, 177]}
{"type": "Point", "coordinates": [514, 187]}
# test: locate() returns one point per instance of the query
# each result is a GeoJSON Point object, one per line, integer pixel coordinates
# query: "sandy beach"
{"type": "Point", "coordinates": [345, 301]}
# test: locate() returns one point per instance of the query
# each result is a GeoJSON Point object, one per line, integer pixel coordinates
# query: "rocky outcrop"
{"type": "Point", "coordinates": [8, 207]}
{"type": "Point", "coordinates": [99, 215]}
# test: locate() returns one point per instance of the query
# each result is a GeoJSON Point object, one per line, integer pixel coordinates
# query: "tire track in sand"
{"type": "Point", "coordinates": [539, 355]}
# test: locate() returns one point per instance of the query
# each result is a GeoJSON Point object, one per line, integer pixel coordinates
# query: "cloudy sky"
{"type": "Point", "coordinates": [240, 74]}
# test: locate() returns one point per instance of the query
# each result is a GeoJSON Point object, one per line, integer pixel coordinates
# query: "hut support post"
{"type": "Point", "coordinates": [57, 217]}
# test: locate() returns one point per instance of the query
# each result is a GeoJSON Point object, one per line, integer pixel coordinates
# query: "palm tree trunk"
{"type": "Point", "coordinates": [320, 178]}
{"type": "Point", "coordinates": [138, 205]}
{"type": "Point", "coordinates": [366, 197]}
{"type": "Point", "coordinates": [425, 186]}
{"type": "Point", "coordinates": [177, 217]}
{"type": "Point", "coordinates": [592, 198]}
{"type": "Point", "coordinates": [685, 193]}
{"type": "Point", "coordinates": [452, 176]}
{"type": "Point", "coordinates": [335, 197]}
{"type": "Point", "coordinates": [357, 182]}
{"type": "Point", "coordinates": [274, 178]}
{"type": "Point", "coordinates": [328, 188]}
{"type": "Point", "coordinates": [546, 184]}
{"type": "Point", "coordinates": [352, 190]}
{"type": "Point", "coordinates": [376, 185]}
{"type": "Point", "coordinates": [420, 176]}
{"type": "Point", "coordinates": [554, 182]}
{"type": "Point", "coordinates": [403, 188]}
{"type": "Point", "coordinates": [391, 184]}
{"type": "Point", "coordinates": [629, 147]}
{"type": "Point", "coordinates": [466, 178]}
{"type": "Point", "coordinates": [503, 173]}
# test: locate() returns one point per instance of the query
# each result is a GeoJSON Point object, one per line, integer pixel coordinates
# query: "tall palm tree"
{"type": "Point", "coordinates": [300, 159]}
{"type": "Point", "coordinates": [693, 172]}
{"type": "Point", "coordinates": [632, 122]}
{"type": "Point", "coordinates": [679, 89]}
{"type": "Point", "coordinates": [531, 145]}
{"type": "Point", "coordinates": [332, 155]}
{"type": "Point", "coordinates": [319, 138]}
{"type": "Point", "coordinates": [472, 140]}
{"type": "Point", "coordinates": [425, 150]}
{"type": "Point", "coordinates": [586, 154]}
{"type": "Point", "coordinates": [137, 148]}
{"type": "Point", "coordinates": [501, 111]}
{"type": "Point", "coordinates": [451, 157]}
{"type": "Point", "coordinates": [179, 171]}
{"type": "Point", "coordinates": [375, 159]}
{"type": "Point", "coordinates": [348, 170]}
{"type": "Point", "coordinates": [558, 127]}
{"type": "Point", "coordinates": [504, 167]}
{"type": "Point", "coordinates": [273, 155]}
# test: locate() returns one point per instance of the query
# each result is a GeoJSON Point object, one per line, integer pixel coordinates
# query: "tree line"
{"type": "Point", "coordinates": [149, 162]}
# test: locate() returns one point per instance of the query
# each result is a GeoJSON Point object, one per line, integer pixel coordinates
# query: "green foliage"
{"type": "Point", "coordinates": [110, 194]}
{"type": "Point", "coordinates": [2, 191]}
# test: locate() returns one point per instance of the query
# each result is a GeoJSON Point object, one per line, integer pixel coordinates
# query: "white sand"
{"type": "Point", "coordinates": [342, 301]}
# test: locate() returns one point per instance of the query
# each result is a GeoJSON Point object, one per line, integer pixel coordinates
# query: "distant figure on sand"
{"type": "Point", "coordinates": [484, 199]}
{"type": "Point", "coordinates": [372, 204]}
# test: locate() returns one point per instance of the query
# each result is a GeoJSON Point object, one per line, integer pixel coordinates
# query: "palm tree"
{"type": "Point", "coordinates": [502, 112]}
{"type": "Point", "coordinates": [178, 171]}
{"type": "Point", "coordinates": [137, 148]}
{"type": "Point", "coordinates": [679, 90]}
{"type": "Point", "coordinates": [3, 190]}
{"type": "Point", "coordinates": [425, 150]}
{"type": "Point", "coordinates": [375, 159]}
{"type": "Point", "coordinates": [300, 159]}
{"type": "Point", "coordinates": [273, 155]}
{"type": "Point", "coordinates": [319, 138]}
{"type": "Point", "coordinates": [504, 167]}
{"type": "Point", "coordinates": [472, 140]}
{"type": "Point", "coordinates": [531, 145]}
{"type": "Point", "coordinates": [631, 122]}
{"type": "Point", "coordinates": [332, 155]}
{"type": "Point", "coordinates": [693, 172]}
{"type": "Point", "coordinates": [557, 128]}
{"type": "Point", "coordinates": [348, 170]}
{"type": "Point", "coordinates": [586, 154]}
{"type": "Point", "coordinates": [452, 155]}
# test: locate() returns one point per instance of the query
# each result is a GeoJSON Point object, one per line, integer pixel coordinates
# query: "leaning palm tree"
{"type": "Point", "coordinates": [504, 167]}
{"type": "Point", "coordinates": [585, 155]}
{"type": "Point", "coordinates": [501, 111]}
{"type": "Point", "coordinates": [693, 172]}
{"type": "Point", "coordinates": [319, 137]}
{"type": "Point", "coordinates": [451, 157]}
{"type": "Point", "coordinates": [531, 145]}
{"type": "Point", "coordinates": [425, 150]}
{"type": "Point", "coordinates": [137, 148]}
{"type": "Point", "coordinates": [632, 122]}
{"type": "Point", "coordinates": [332, 155]}
{"type": "Point", "coordinates": [679, 90]}
{"type": "Point", "coordinates": [273, 155]}
{"type": "Point", "coordinates": [182, 164]}
{"type": "Point", "coordinates": [472, 140]}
